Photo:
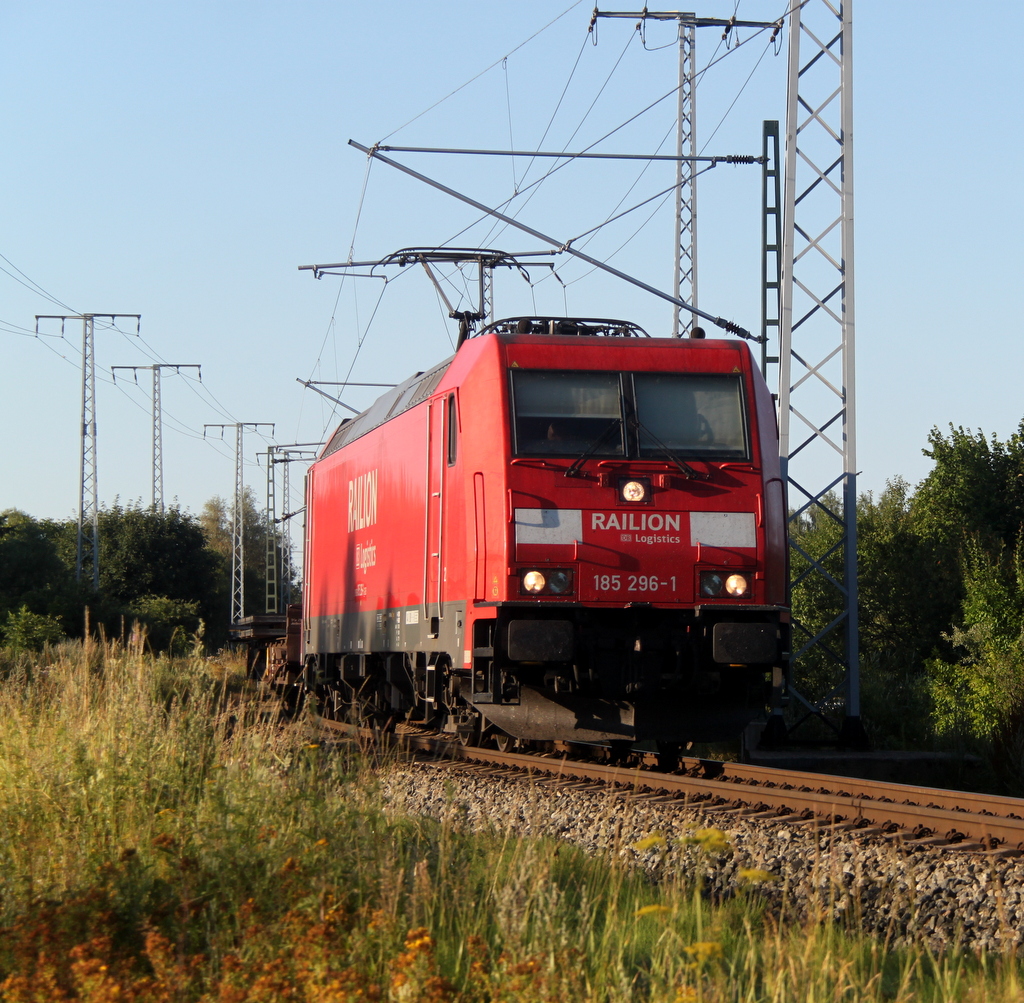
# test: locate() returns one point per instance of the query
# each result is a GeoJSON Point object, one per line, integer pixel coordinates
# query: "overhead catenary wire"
{"type": "Point", "coordinates": [561, 98]}
{"type": "Point", "coordinates": [76, 364]}
{"type": "Point", "coordinates": [497, 228]}
{"type": "Point", "coordinates": [487, 69]}
{"type": "Point", "coordinates": [557, 167]}
{"type": "Point", "coordinates": [361, 339]}
{"type": "Point", "coordinates": [533, 186]}
{"type": "Point", "coordinates": [332, 323]}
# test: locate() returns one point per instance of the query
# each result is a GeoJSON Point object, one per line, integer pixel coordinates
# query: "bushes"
{"type": "Point", "coordinates": [28, 631]}
{"type": "Point", "coordinates": [168, 622]}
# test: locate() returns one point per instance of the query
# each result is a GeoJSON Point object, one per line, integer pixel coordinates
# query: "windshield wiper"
{"type": "Point", "coordinates": [575, 469]}
{"type": "Point", "coordinates": [683, 466]}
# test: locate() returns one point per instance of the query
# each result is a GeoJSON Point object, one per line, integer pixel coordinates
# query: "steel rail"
{"type": "Point", "coordinates": [956, 819]}
{"type": "Point", "coordinates": [936, 797]}
{"type": "Point", "coordinates": [864, 808]}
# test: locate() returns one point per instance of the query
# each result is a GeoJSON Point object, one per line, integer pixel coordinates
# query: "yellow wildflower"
{"type": "Point", "coordinates": [652, 910]}
{"type": "Point", "coordinates": [754, 874]}
{"type": "Point", "coordinates": [711, 840]}
{"type": "Point", "coordinates": [649, 842]}
{"type": "Point", "coordinates": [704, 951]}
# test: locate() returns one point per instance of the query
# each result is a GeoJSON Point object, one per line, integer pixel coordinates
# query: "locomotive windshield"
{"type": "Point", "coordinates": [694, 415]}
{"type": "Point", "coordinates": [628, 414]}
{"type": "Point", "coordinates": [559, 412]}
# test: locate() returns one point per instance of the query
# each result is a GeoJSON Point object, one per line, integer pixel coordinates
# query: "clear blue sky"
{"type": "Point", "coordinates": [179, 160]}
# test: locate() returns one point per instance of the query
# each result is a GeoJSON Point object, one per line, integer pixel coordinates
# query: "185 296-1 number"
{"type": "Point", "coordinates": [634, 583]}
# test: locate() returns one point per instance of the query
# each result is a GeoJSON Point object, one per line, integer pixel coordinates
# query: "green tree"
{"type": "Point", "coordinates": [32, 573]}
{"type": "Point", "coordinates": [908, 596]}
{"type": "Point", "coordinates": [909, 582]}
{"type": "Point", "coordinates": [143, 553]}
{"type": "Point", "coordinates": [983, 686]}
{"type": "Point", "coordinates": [975, 489]}
{"type": "Point", "coordinates": [147, 553]}
{"type": "Point", "coordinates": [972, 506]}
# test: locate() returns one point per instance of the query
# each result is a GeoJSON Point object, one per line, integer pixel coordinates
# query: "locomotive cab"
{"type": "Point", "coordinates": [569, 530]}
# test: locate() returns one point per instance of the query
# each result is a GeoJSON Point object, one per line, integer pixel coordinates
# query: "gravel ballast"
{"type": "Point", "coordinates": [906, 893]}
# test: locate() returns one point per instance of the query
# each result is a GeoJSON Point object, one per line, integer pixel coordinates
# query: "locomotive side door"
{"type": "Point", "coordinates": [433, 563]}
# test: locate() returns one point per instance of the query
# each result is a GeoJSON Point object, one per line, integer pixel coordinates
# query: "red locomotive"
{"type": "Point", "coordinates": [568, 530]}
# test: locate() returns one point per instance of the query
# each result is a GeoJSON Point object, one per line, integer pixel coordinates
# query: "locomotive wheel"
{"type": "Point", "coordinates": [470, 730]}
{"type": "Point", "coordinates": [503, 741]}
{"type": "Point", "coordinates": [369, 709]}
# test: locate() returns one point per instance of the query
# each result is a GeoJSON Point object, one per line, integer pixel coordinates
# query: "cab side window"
{"type": "Point", "coordinates": [453, 430]}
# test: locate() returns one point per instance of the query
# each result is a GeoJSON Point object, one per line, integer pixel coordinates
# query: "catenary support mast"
{"type": "Point", "coordinates": [816, 372]}
{"type": "Point", "coordinates": [684, 283]}
{"type": "Point", "coordinates": [238, 515]}
{"type": "Point", "coordinates": [278, 574]}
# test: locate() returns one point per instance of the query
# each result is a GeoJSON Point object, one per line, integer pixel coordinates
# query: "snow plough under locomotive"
{"type": "Point", "coordinates": [568, 530]}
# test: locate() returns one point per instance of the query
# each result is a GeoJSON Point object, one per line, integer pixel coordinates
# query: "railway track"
{"type": "Point", "coordinates": [959, 821]}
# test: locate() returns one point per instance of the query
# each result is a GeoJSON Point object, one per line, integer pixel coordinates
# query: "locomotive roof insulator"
{"type": "Point", "coordinates": [589, 327]}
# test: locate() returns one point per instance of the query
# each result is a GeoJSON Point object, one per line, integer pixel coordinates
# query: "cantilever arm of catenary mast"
{"type": "Point", "coordinates": [726, 325]}
{"type": "Point", "coordinates": [308, 384]}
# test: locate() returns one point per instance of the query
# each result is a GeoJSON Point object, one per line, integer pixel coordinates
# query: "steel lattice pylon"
{"type": "Point", "coordinates": [158, 444]}
{"type": "Point", "coordinates": [684, 285]}
{"type": "Point", "coordinates": [816, 369]}
{"type": "Point", "coordinates": [238, 515]}
{"type": "Point", "coordinates": [158, 435]}
{"type": "Point", "coordinates": [271, 549]}
{"type": "Point", "coordinates": [279, 567]}
{"type": "Point", "coordinates": [286, 539]}
{"type": "Point", "coordinates": [88, 550]}
{"type": "Point", "coordinates": [238, 532]}
{"type": "Point", "coordinates": [88, 547]}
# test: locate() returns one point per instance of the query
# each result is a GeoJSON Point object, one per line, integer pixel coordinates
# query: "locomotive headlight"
{"type": "Point", "coordinates": [711, 584]}
{"type": "Point", "coordinates": [560, 582]}
{"type": "Point", "coordinates": [633, 491]}
{"type": "Point", "coordinates": [737, 585]}
{"type": "Point", "coordinates": [534, 581]}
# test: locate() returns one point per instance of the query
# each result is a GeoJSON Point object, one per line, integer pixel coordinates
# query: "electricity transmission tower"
{"type": "Point", "coordinates": [816, 370]}
{"type": "Point", "coordinates": [684, 285]}
{"type": "Point", "coordinates": [158, 433]}
{"type": "Point", "coordinates": [238, 515]}
{"type": "Point", "coordinates": [87, 555]}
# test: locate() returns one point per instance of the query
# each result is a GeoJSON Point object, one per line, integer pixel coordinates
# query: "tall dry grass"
{"type": "Point", "coordinates": [164, 837]}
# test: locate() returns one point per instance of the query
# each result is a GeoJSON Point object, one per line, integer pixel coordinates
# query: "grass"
{"type": "Point", "coordinates": [164, 837]}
